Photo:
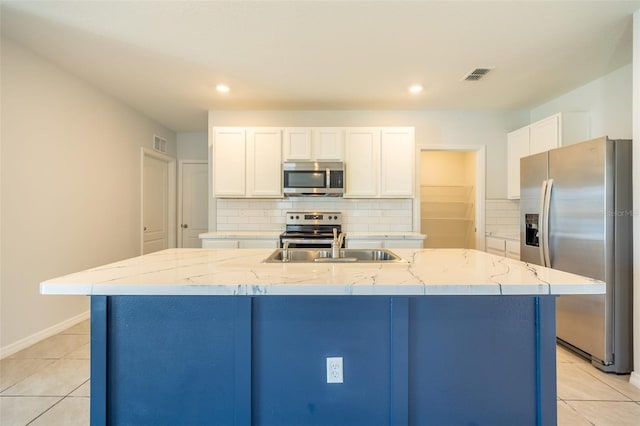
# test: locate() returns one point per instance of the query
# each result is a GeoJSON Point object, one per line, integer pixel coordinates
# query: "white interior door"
{"type": "Point", "coordinates": [194, 208]}
{"type": "Point", "coordinates": [155, 183]}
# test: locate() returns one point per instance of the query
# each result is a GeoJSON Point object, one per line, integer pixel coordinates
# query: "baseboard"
{"type": "Point", "coordinates": [41, 335]}
{"type": "Point", "coordinates": [635, 379]}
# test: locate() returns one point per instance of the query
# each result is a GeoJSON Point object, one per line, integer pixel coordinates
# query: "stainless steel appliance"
{"type": "Point", "coordinates": [313, 179]}
{"type": "Point", "coordinates": [311, 229]}
{"type": "Point", "coordinates": [576, 216]}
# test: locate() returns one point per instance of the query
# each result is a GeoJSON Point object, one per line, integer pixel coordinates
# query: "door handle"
{"type": "Point", "coordinates": [184, 226]}
{"type": "Point", "coordinates": [547, 207]}
{"type": "Point", "coordinates": [541, 235]}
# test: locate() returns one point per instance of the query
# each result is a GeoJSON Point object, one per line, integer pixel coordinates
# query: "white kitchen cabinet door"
{"type": "Point", "coordinates": [328, 144]}
{"type": "Point", "coordinates": [391, 244]}
{"type": "Point", "coordinates": [364, 244]}
{"type": "Point", "coordinates": [297, 144]}
{"type": "Point", "coordinates": [517, 147]}
{"type": "Point", "coordinates": [264, 162]}
{"type": "Point", "coordinates": [228, 162]}
{"type": "Point", "coordinates": [259, 243]}
{"type": "Point", "coordinates": [495, 246]}
{"type": "Point", "coordinates": [545, 135]}
{"type": "Point", "coordinates": [210, 243]}
{"type": "Point", "coordinates": [397, 160]}
{"type": "Point", "coordinates": [362, 157]}
{"type": "Point", "coordinates": [512, 249]}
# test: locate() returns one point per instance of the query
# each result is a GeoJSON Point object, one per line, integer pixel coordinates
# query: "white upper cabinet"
{"type": "Point", "coordinates": [552, 132]}
{"type": "Point", "coordinates": [247, 162]}
{"type": "Point", "coordinates": [517, 147]}
{"type": "Point", "coordinates": [328, 144]}
{"type": "Point", "coordinates": [264, 164]}
{"type": "Point", "coordinates": [228, 162]}
{"type": "Point", "coordinates": [362, 159]}
{"type": "Point", "coordinates": [297, 144]}
{"type": "Point", "coordinates": [544, 135]}
{"type": "Point", "coordinates": [397, 160]}
{"type": "Point", "coordinates": [313, 144]}
{"type": "Point", "coordinates": [379, 162]}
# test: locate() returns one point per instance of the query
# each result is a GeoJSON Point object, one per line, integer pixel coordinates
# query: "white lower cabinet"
{"type": "Point", "coordinates": [259, 243]}
{"type": "Point", "coordinates": [220, 244]}
{"type": "Point", "coordinates": [495, 245]}
{"type": "Point", "coordinates": [364, 244]}
{"type": "Point", "coordinates": [386, 243]}
{"type": "Point", "coordinates": [512, 249]}
{"type": "Point", "coordinates": [503, 247]}
{"type": "Point", "coordinates": [225, 243]}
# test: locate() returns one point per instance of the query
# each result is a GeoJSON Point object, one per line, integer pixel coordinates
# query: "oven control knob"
{"type": "Point", "coordinates": [291, 217]}
{"type": "Point", "coordinates": [297, 217]}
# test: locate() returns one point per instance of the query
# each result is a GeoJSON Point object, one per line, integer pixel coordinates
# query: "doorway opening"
{"type": "Point", "coordinates": [450, 207]}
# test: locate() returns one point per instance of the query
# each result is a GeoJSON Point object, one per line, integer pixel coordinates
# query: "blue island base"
{"type": "Point", "coordinates": [416, 360]}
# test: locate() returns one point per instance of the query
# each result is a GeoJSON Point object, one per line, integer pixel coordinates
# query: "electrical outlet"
{"type": "Point", "coordinates": [334, 370]}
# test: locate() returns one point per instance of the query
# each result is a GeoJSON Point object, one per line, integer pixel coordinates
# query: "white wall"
{"type": "Point", "coordinates": [70, 188]}
{"type": "Point", "coordinates": [608, 100]}
{"type": "Point", "coordinates": [192, 146]}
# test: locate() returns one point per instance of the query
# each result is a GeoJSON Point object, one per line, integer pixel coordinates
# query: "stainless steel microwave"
{"type": "Point", "coordinates": [313, 178]}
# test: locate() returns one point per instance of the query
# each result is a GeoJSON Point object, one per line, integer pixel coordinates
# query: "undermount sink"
{"type": "Point", "coordinates": [346, 255]}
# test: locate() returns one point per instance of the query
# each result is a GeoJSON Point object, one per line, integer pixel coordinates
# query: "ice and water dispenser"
{"type": "Point", "coordinates": [531, 229]}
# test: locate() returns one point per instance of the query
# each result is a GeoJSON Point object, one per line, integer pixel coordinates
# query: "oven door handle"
{"type": "Point", "coordinates": [307, 241]}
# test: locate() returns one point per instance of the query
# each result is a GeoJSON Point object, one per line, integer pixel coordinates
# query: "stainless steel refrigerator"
{"type": "Point", "coordinates": [576, 216]}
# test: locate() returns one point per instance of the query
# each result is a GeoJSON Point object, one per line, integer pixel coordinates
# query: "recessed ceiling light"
{"type": "Point", "coordinates": [222, 88]}
{"type": "Point", "coordinates": [415, 88]}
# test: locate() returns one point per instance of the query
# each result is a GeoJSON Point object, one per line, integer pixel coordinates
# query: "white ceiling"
{"type": "Point", "coordinates": [165, 58]}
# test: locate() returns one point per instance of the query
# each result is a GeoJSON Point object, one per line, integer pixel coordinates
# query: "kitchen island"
{"type": "Point", "coordinates": [195, 336]}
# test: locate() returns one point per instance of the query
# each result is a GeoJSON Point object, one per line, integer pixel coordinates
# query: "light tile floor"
{"type": "Point", "coordinates": [48, 384]}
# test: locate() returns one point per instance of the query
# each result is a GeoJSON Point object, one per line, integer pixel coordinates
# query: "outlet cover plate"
{"type": "Point", "coordinates": [334, 370]}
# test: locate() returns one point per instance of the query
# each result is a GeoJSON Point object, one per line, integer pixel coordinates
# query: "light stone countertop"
{"type": "Point", "coordinates": [241, 272]}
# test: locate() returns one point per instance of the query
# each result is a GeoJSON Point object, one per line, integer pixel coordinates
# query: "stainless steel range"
{"type": "Point", "coordinates": [311, 229]}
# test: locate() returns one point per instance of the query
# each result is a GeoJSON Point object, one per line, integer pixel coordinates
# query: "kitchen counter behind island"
{"type": "Point", "coordinates": [190, 336]}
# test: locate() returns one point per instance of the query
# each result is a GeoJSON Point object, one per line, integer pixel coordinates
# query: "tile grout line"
{"type": "Point", "coordinates": [57, 402]}
{"type": "Point", "coordinates": [48, 409]}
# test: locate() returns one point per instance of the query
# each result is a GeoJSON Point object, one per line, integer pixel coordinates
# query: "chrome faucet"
{"type": "Point", "coordinates": [336, 244]}
{"type": "Point", "coordinates": [285, 251]}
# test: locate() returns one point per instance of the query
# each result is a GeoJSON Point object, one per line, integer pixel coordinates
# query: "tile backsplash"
{"type": "Point", "coordinates": [369, 215]}
{"type": "Point", "coordinates": [502, 216]}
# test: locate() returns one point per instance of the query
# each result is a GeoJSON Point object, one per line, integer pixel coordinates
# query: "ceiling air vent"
{"type": "Point", "coordinates": [159, 144]}
{"type": "Point", "coordinates": [477, 74]}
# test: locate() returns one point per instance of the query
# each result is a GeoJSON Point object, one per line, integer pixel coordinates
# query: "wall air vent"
{"type": "Point", "coordinates": [477, 74]}
{"type": "Point", "coordinates": [159, 144]}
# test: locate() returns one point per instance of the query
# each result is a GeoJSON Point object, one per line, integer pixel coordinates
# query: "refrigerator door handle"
{"type": "Point", "coordinates": [541, 233]}
{"type": "Point", "coordinates": [547, 208]}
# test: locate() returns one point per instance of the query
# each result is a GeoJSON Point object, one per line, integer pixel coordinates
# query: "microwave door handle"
{"type": "Point", "coordinates": [547, 206]}
{"type": "Point", "coordinates": [328, 178]}
{"type": "Point", "coordinates": [541, 234]}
